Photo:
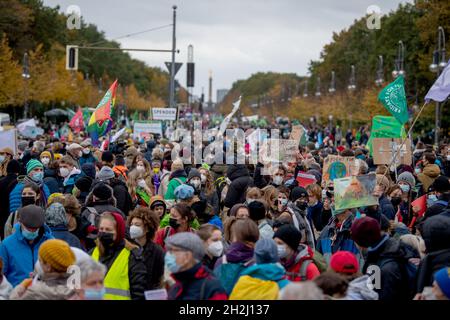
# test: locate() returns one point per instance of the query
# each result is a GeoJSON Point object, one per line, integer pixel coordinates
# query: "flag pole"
{"type": "Point", "coordinates": [406, 138]}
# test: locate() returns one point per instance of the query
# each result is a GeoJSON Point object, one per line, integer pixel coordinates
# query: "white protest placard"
{"type": "Point", "coordinates": [28, 123]}
{"type": "Point", "coordinates": [164, 114]}
{"type": "Point", "coordinates": [118, 134]}
{"type": "Point", "coordinates": [8, 139]}
{"type": "Point", "coordinates": [158, 294]}
{"type": "Point", "coordinates": [142, 129]}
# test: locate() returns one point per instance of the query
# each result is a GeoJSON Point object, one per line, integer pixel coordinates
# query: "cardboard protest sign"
{"type": "Point", "coordinates": [282, 150]}
{"type": "Point", "coordinates": [335, 167]}
{"type": "Point", "coordinates": [354, 192]}
{"type": "Point", "coordinates": [158, 294]}
{"type": "Point", "coordinates": [298, 134]}
{"type": "Point", "coordinates": [305, 179]}
{"type": "Point", "coordinates": [164, 113]}
{"type": "Point", "coordinates": [144, 129]}
{"type": "Point", "coordinates": [385, 149]}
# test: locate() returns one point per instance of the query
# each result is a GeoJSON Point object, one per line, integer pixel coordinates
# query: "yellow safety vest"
{"type": "Point", "coordinates": [117, 283]}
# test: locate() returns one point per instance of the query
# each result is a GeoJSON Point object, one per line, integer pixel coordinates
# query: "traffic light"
{"type": "Point", "coordinates": [71, 57]}
{"type": "Point", "coordinates": [190, 75]}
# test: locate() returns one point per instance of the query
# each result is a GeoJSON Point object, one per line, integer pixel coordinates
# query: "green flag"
{"type": "Point", "coordinates": [393, 98]}
{"type": "Point", "coordinates": [385, 127]}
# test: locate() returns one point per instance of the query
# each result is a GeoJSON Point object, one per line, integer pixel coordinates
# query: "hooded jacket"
{"type": "Point", "coordinates": [391, 256]}
{"type": "Point", "coordinates": [301, 222]}
{"type": "Point", "coordinates": [174, 182]}
{"type": "Point", "coordinates": [19, 256]}
{"type": "Point", "coordinates": [358, 289]}
{"type": "Point", "coordinates": [428, 175]}
{"type": "Point", "coordinates": [436, 234]}
{"type": "Point", "coordinates": [49, 287]}
{"type": "Point", "coordinates": [197, 283]}
{"type": "Point", "coordinates": [294, 265]}
{"type": "Point", "coordinates": [15, 197]}
{"type": "Point", "coordinates": [240, 181]}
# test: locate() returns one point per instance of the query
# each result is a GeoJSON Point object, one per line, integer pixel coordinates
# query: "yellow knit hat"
{"type": "Point", "coordinates": [46, 154]}
{"type": "Point", "coordinates": [53, 196]}
{"type": "Point", "coordinates": [58, 156]}
{"type": "Point", "coordinates": [57, 254]}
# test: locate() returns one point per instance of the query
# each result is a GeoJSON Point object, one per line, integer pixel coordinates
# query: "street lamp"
{"type": "Point", "coordinates": [379, 81]}
{"type": "Point", "coordinates": [399, 61]}
{"type": "Point", "coordinates": [330, 118]}
{"type": "Point", "coordinates": [332, 88]}
{"type": "Point", "coordinates": [352, 82]}
{"type": "Point", "coordinates": [318, 93]}
{"type": "Point", "coordinates": [26, 75]}
{"type": "Point", "coordinates": [305, 91]}
{"type": "Point", "coordinates": [437, 66]}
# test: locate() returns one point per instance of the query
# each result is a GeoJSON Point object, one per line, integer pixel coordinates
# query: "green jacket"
{"type": "Point", "coordinates": [165, 222]}
{"type": "Point", "coordinates": [173, 184]}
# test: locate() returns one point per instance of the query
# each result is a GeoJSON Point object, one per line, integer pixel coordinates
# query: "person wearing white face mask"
{"type": "Point", "coordinates": [69, 172]}
{"type": "Point", "coordinates": [143, 224]}
{"type": "Point", "coordinates": [212, 240]}
{"type": "Point", "coordinates": [75, 151]}
{"type": "Point", "coordinates": [138, 189]}
{"type": "Point", "coordinates": [87, 156]}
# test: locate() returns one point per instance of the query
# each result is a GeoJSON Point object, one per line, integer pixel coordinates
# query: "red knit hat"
{"type": "Point", "coordinates": [344, 262]}
{"type": "Point", "coordinates": [120, 227]}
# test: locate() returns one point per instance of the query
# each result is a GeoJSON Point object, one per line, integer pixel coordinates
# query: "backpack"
{"type": "Point", "coordinates": [409, 272]}
{"type": "Point", "coordinates": [302, 273]}
{"type": "Point", "coordinates": [229, 273]}
{"type": "Point", "coordinates": [320, 262]}
{"type": "Point", "coordinates": [249, 288]}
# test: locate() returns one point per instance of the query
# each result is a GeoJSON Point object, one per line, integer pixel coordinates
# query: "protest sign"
{"type": "Point", "coordinates": [354, 192]}
{"type": "Point", "coordinates": [298, 134]}
{"type": "Point", "coordinates": [118, 134]}
{"type": "Point", "coordinates": [145, 128]}
{"type": "Point", "coordinates": [385, 149]}
{"type": "Point", "coordinates": [8, 139]}
{"type": "Point", "coordinates": [158, 294]}
{"type": "Point", "coordinates": [335, 167]}
{"type": "Point", "coordinates": [250, 118]}
{"type": "Point", "coordinates": [281, 150]}
{"type": "Point", "coordinates": [304, 179]}
{"type": "Point", "coordinates": [164, 114]}
{"type": "Point", "coordinates": [385, 127]}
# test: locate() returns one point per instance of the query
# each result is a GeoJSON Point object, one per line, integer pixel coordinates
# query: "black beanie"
{"type": "Point", "coordinates": [13, 167]}
{"type": "Point", "coordinates": [102, 191]}
{"type": "Point", "coordinates": [89, 170]}
{"type": "Point", "coordinates": [108, 156]}
{"type": "Point", "coordinates": [290, 235]}
{"type": "Point", "coordinates": [84, 183]}
{"type": "Point", "coordinates": [297, 192]}
{"type": "Point", "coordinates": [257, 211]}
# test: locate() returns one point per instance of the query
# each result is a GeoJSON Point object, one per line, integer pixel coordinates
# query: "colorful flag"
{"type": "Point", "coordinates": [304, 179]}
{"type": "Point", "coordinates": [385, 127]}
{"type": "Point", "coordinates": [100, 122]}
{"type": "Point", "coordinates": [393, 98]}
{"type": "Point", "coordinates": [77, 123]}
{"type": "Point", "coordinates": [421, 203]}
{"type": "Point", "coordinates": [440, 90]}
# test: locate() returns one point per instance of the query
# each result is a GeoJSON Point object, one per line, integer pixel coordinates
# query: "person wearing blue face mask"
{"type": "Point", "coordinates": [19, 251]}
{"type": "Point", "coordinates": [35, 174]}
{"type": "Point", "coordinates": [438, 197]}
{"type": "Point", "coordinates": [194, 281]}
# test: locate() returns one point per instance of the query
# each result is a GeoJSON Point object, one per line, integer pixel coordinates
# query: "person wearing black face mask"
{"type": "Point", "coordinates": [181, 217]}
{"type": "Point", "coordinates": [297, 207]}
{"type": "Point", "coordinates": [112, 251]}
{"type": "Point", "coordinates": [30, 195]}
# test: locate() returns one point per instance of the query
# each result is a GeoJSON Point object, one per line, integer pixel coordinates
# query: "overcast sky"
{"type": "Point", "coordinates": [232, 38]}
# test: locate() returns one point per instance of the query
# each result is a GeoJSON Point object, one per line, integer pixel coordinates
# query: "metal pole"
{"type": "Point", "coordinates": [172, 69]}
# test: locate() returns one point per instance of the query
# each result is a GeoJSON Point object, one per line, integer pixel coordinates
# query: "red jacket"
{"type": "Point", "coordinates": [294, 268]}
{"type": "Point", "coordinates": [163, 233]}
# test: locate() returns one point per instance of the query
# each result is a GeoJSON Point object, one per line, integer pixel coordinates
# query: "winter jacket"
{"type": "Point", "coordinates": [10, 223]}
{"type": "Point", "coordinates": [154, 263]}
{"type": "Point", "coordinates": [5, 288]}
{"type": "Point", "coordinates": [258, 178]}
{"type": "Point", "coordinates": [240, 181]}
{"type": "Point", "coordinates": [197, 283]}
{"type": "Point", "coordinates": [19, 256]}
{"type": "Point", "coordinates": [436, 234]}
{"type": "Point", "coordinates": [87, 158]}
{"type": "Point", "coordinates": [387, 208]}
{"type": "Point", "coordinates": [273, 272]}
{"type": "Point", "coordinates": [342, 239]}
{"type": "Point", "coordinates": [295, 266]}
{"type": "Point", "coordinates": [69, 183]}
{"type": "Point", "coordinates": [15, 197]}
{"type": "Point", "coordinates": [392, 257]}
{"type": "Point", "coordinates": [265, 230]}
{"type": "Point", "coordinates": [438, 207]}
{"type": "Point", "coordinates": [429, 173]}
{"type": "Point", "coordinates": [52, 180]}
{"type": "Point", "coordinates": [213, 201]}
{"type": "Point", "coordinates": [101, 206]}
{"type": "Point", "coordinates": [358, 289]}
{"type": "Point", "coordinates": [7, 184]}
{"type": "Point", "coordinates": [301, 222]}
{"type": "Point", "coordinates": [314, 214]}
{"type": "Point", "coordinates": [62, 233]}
{"type": "Point", "coordinates": [136, 268]}
{"type": "Point", "coordinates": [174, 182]}
{"type": "Point", "coordinates": [123, 198]}
{"type": "Point", "coordinates": [164, 183]}
{"type": "Point", "coordinates": [49, 287]}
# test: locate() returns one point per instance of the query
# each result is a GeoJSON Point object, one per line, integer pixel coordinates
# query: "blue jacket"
{"type": "Point", "coordinates": [70, 183]}
{"type": "Point", "coordinates": [15, 197]}
{"type": "Point", "coordinates": [62, 233]}
{"type": "Point", "coordinates": [87, 159]}
{"type": "Point", "coordinates": [268, 271]}
{"type": "Point", "coordinates": [19, 256]}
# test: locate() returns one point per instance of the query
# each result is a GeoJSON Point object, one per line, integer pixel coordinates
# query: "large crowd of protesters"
{"type": "Point", "coordinates": [134, 220]}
